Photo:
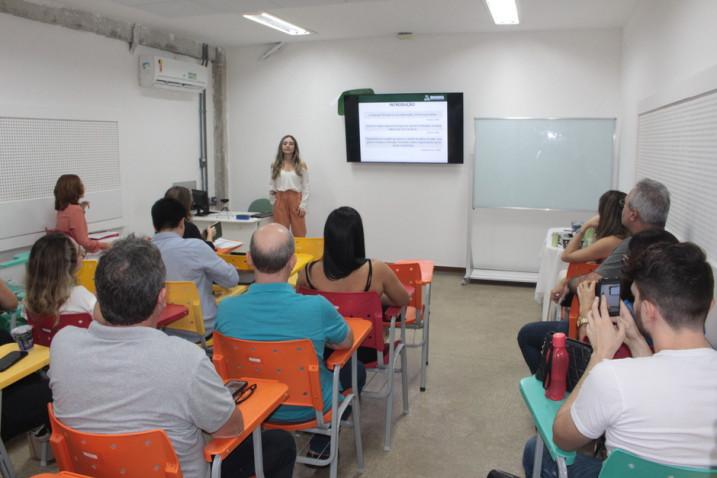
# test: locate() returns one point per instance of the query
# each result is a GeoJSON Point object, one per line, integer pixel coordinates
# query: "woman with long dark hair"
{"type": "Point", "coordinates": [609, 233]}
{"type": "Point", "coordinates": [289, 187]}
{"type": "Point", "coordinates": [345, 267]}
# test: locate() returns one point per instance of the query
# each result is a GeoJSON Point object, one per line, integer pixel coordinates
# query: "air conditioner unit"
{"type": "Point", "coordinates": [160, 72]}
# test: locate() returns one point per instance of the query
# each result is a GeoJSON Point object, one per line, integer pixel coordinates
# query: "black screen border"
{"type": "Point", "coordinates": [455, 124]}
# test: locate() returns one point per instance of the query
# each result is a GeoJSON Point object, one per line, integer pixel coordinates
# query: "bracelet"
{"type": "Point", "coordinates": [582, 320]}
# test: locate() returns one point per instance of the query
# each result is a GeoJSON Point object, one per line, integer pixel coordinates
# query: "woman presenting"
{"type": "Point", "coordinates": [289, 187]}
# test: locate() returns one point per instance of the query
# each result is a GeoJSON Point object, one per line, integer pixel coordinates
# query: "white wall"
{"type": "Point", "coordinates": [664, 43]}
{"type": "Point", "coordinates": [61, 72]}
{"type": "Point", "coordinates": [416, 210]}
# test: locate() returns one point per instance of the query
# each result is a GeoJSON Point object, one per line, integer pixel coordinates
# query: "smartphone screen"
{"type": "Point", "coordinates": [610, 289]}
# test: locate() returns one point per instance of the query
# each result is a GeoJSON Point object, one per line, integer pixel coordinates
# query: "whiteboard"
{"type": "Point", "coordinates": [542, 163]}
{"type": "Point", "coordinates": [34, 152]}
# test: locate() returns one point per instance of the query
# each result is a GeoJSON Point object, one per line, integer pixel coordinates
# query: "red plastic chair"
{"type": "Point", "coordinates": [44, 327]}
{"type": "Point", "coordinates": [367, 305]}
{"type": "Point", "coordinates": [294, 363]}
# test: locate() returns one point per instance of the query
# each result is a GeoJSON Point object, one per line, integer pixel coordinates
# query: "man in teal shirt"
{"type": "Point", "coordinates": [271, 310]}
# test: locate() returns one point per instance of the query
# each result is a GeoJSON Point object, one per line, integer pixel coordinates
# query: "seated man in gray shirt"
{"type": "Point", "coordinates": [190, 259]}
{"type": "Point", "coordinates": [123, 375]}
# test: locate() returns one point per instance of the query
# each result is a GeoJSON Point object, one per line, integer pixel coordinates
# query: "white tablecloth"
{"type": "Point", "coordinates": [550, 271]}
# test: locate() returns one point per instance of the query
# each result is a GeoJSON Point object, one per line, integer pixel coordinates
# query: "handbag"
{"type": "Point", "coordinates": [578, 358]}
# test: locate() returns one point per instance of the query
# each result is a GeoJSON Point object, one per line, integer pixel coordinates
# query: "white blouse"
{"type": "Point", "coordinates": [80, 300]}
{"type": "Point", "coordinates": [290, 181]}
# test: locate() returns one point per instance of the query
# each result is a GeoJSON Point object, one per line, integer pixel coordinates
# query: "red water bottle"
{"type": "Point", "coordinates": [558, 369]}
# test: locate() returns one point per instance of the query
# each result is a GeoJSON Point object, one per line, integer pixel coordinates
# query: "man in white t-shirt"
{"type": "Point", "coordinates": [661, 406]}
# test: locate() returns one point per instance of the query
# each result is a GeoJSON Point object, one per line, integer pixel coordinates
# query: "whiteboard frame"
{"type": "Point", "coordinates": [476, 273]}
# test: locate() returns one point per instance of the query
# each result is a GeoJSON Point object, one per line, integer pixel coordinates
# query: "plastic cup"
{"type": "Point", "coordinates": [23, 336]}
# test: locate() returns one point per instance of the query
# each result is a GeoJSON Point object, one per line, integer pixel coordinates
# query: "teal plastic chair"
{"type": "Point", "coordinates": [260, 205]}
{"type": "Point", "coordinates": [623, 464]}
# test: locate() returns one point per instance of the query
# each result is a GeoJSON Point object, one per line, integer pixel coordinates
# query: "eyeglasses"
{"type": "Point", "coordinates": [244, 395]}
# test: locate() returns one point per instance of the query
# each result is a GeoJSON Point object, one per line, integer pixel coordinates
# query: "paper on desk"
{"type": "Point", "coordinates": [226, 245]}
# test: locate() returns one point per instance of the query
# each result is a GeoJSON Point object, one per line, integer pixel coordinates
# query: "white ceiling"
{"type": "Point", "coordinates": [219, 22]}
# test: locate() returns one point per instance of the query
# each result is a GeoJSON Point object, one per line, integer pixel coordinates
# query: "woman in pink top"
{"type": "Point", "coordinates": [71, 212]}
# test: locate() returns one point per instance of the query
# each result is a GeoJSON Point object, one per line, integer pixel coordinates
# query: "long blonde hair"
{"type": "Point", "coordinates": [50, 273]}
{"type": "Point", "coordinates": [299, 165]}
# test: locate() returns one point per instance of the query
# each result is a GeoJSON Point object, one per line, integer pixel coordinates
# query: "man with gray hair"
{"type": "Point", "coordinates": [271, 310]}
{"type": "Point", "coordinates": [646, 207]}
{"type": "Point", "coordinates": [112, 377]}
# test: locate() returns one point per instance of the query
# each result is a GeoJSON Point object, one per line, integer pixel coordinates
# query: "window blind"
{"type": "Point", "coordinates": [677, 145]}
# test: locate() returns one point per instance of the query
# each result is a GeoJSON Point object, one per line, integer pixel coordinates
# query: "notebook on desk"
{"type": "Point", "coordinates": [225, 246]}
{"type": "Point", "coordinates": [260, 215]}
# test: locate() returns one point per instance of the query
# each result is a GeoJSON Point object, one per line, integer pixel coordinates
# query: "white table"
{"type": "Point", "coordinates": [233, 228]}
{"type": "Point", "coordinates": [551, 270]}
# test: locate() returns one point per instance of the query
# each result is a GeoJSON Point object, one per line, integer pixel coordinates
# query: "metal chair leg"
{"type": "Point", "coordinates": [404, 379]}
{"type": "Point", "coordinates": [356, 414]}
{"type": "Point", "coordinates": [389, 410]}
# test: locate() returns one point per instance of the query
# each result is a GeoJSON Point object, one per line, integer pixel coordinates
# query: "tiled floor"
{"type": "Point", "coordinates": [470, 419]}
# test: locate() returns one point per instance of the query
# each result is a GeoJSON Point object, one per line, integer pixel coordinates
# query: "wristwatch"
{"type": "Point", "coordinates": [582, 320]}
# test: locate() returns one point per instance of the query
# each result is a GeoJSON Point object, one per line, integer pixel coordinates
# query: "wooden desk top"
{"type": "Point", "coordinates": [267, 396]}
{"type": "Point", "coordinates": [37, 358]}
{"type": "Point", "coordinates": [360, 328]}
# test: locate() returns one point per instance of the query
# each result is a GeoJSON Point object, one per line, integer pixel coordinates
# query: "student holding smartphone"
{"type": "Point", "coordinates": [617, 290]}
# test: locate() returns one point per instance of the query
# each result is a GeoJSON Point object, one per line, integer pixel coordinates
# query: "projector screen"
{"type": "Point", "coordinates": [404, 128]}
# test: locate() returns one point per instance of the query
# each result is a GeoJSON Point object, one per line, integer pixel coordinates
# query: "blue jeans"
{"type": "Point", "coordinates": [583, 467]}
{"type": "Point", "coordinates": [532, 336]}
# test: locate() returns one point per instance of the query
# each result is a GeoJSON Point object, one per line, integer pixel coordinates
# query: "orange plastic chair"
{"type": "Point", "coordinates": [85, 275]}
{"type": "Point", "coordinates": [140, 454]}
{"type": "Point", "coordinates": [294, 363]}
{"type": "Point", "coordinates": [44, 327]}
{"type": "Point", "coordinates": [185, 293]}
{"type": "Point", "coordinates": [576, 269]}
{"type": "Point", "coordinates": [367, 305]}
{"type": "Point", "coordinates": [314, 246]}
{"type": "Point", "coordinates": [409, 273]}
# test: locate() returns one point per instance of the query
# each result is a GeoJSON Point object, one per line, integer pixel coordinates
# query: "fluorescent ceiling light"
{"type": "Point", "coordinates": [504, 12]}
{"type": "Point", "coordinates": [277, 24]}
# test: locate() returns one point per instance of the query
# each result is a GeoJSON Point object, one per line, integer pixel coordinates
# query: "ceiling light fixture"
{"type": "Point", "coordinates": [504, 12]}
{"type": "Point", "coordinates": [277, 24]}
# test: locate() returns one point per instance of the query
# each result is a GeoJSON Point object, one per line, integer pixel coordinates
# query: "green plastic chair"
{"type": "Point", "coordinates": [260, 205]}
{"type": "Point", "coordinates": [623, 464]}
